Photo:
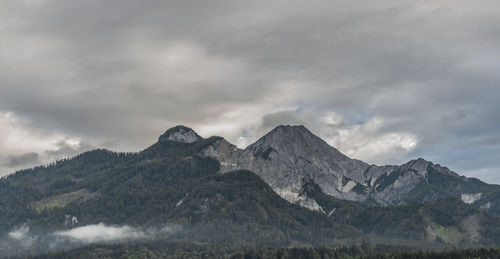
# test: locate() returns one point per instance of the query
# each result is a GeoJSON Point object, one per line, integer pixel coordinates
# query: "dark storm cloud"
{"type": "Point", "coordinates": [405, 78]}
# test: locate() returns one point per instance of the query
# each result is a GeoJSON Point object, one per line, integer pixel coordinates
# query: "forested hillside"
{"type": "Point", "coordinates": [171, 193]}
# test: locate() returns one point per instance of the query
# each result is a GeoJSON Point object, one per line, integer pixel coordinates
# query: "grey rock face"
{"type": "Point", "coordinates": [287, 155]}
{"type": "Point", "coordinates": [180, 134]}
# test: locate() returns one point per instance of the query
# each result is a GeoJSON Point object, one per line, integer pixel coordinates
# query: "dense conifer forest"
{"type": "Point", "coordinates": [186, 250]}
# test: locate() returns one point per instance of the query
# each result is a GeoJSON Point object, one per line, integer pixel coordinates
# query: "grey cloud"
{"type": "Point", "coordinates": [22, 160]}
{"type": "Point", "coordinates": [64, 148]}
{"type": "Point", "coordinates": [128, 70]}
{"type": "Point", "coordinates": [271, 120]}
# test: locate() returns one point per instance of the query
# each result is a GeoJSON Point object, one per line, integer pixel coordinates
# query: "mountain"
{"type": "Point", "coordinates": [168, 191]}
{"type": "Point", "coordinates": [288, 156]}
{"type": "Point", "coordinates": [288, 188]}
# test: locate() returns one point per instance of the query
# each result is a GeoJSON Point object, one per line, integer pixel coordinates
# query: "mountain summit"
{"type": "Point", "coordinates": [295, 140]}
{"type": "Point", "coordinates": [181, 134]}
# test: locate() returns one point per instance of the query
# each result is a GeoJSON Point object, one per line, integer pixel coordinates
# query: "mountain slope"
{"type": "Point", "coordinates": [447, 220]}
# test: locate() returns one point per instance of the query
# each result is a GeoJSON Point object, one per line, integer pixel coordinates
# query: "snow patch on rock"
{"type": "Point", "coordinates": [184, 136]}
{"type": "Point", "coordinates": [287, 194]}
{"type": "Point", "coordinates": [470, 198]}
{"type": "Point", "coordinates": [309, 203]}
{"type": "Point", "coordinates": [179, 203]}
{"type": "Point", "coordinates": [349, 185]}
{"type": "Point", "coordinates": [486, 206]}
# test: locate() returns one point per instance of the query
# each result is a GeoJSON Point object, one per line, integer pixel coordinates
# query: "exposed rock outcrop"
{"type": "Point", "coordinates": [181, 134]}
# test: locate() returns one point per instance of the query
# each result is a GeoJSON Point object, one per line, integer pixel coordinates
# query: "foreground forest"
{"type": "Point", "coordinates": [186, 250]}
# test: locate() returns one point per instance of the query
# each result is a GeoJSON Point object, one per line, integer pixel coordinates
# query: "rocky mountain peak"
{"type": "Point", "coordinates": [419, 164]}
{"type": "Point", "coordinates": [292, 128]}
{"type": "Point", "coordinates": [296, 141]}
{"type": "Point", "coordinates": [181, 134]}
{"type": "Point", "coordinates": [287, 131]}
{"type": "Point", "coordinates": [287, 156]}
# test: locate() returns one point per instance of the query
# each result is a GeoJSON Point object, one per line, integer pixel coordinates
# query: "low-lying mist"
{"type": "Point", "coordinates": [100, 233]}
{"type": "Point", "coordinates": [21, 241]}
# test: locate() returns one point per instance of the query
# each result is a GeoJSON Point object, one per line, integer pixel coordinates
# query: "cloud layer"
{"type": "Point", "coordinates": [382, 81]}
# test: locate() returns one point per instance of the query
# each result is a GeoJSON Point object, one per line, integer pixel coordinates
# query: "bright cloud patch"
{"type": "Point", "coordinates": [22, 236]}
{"type": "Point", "coordinates": [100, 233]}
{"type": "Point", "coordinates": [20, 233]}
{"type": "Point", "coordinates": [370, 141]}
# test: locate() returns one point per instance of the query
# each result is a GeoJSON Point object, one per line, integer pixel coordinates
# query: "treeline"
{"type": "Point", "coordinates": [359, 252]}
{"type": "Point", "coordinates": [189, 250]}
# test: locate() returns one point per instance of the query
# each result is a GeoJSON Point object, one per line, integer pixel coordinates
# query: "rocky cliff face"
{"type": "Point", "coordinates": [181, 134]}
{"type": "Point", "coordinates": [288, 156]}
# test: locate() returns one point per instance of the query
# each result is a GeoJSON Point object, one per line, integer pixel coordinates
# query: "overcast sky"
{"type": "Point", "coordinates": [383, 81]}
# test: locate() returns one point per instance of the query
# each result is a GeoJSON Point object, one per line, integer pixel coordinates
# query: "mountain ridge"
{"type": "Point", "coordinates": [201, 190]}
{"type": "Point", "coordinates": [287, 154]}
